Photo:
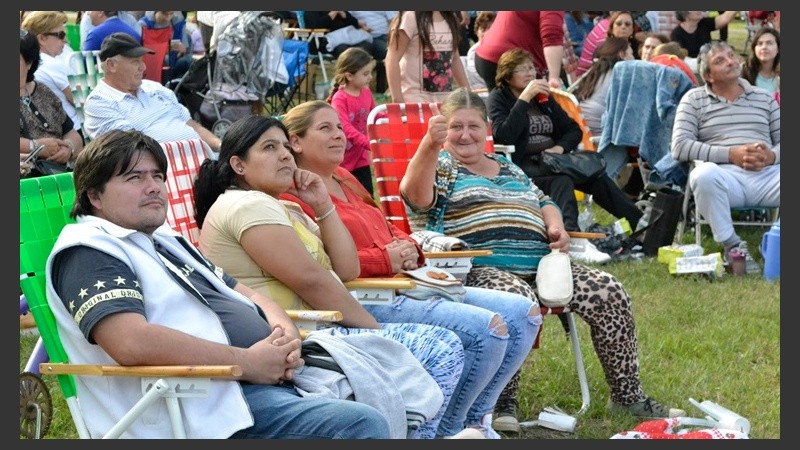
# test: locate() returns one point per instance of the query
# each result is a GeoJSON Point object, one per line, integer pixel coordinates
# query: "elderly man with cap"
{"type": "Point", "coordinates": [123, 100]}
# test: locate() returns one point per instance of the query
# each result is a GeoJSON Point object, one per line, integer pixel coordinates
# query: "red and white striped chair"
{"type": "Point", "coordinates": [395, 130]}
{"type": "Point", "coordinates": [185, 158]}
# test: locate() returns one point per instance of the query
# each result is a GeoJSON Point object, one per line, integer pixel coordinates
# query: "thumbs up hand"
{"type": "Point", "coordinates": [437, 127]}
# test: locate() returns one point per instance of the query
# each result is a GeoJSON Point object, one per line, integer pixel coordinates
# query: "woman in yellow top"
{"type": "Point", "coordinates": [275, 249]}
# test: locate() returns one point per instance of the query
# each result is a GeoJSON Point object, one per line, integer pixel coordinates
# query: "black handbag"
{"type": "Point", "coordinates": [663, 220]}
{"type": "Point", "coordinates": [43, 167]}
{"type": "Point", "coordinates": [582, 166]}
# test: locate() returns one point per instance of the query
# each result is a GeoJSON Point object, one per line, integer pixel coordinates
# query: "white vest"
{"type": "Point", "coordinates": [105, 399]}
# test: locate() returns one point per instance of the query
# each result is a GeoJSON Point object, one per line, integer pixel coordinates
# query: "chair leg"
{"type": "Point", "coordinates": [579, 367]}
{"type": "Point", "coordinates": [698, 228]}
{"type": "Point", "coordinates": [683, 224]}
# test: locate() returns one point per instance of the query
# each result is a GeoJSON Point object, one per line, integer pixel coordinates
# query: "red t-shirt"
{"type": "Point", "coordinates": [365, 220]}
{"type": "Point", "coordinates": [674, 61]}
{"type": "Point", "coordinates": [529, 30]}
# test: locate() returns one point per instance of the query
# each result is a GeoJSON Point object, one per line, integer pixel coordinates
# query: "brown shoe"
{"type": "Point", "coordinates": [26, 321]}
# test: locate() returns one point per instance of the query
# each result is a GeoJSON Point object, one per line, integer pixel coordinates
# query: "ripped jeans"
{"type": "Point", "coordinates": [492, 354]}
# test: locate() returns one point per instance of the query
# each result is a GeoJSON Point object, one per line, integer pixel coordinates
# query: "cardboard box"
{"type": "Point", "coordinates": [668, 253]}
{"type": "Point", "coordinates": [707, 265]}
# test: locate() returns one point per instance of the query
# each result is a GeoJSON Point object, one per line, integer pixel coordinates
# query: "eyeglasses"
{"type": "Point", "coordinates": [23, 32]}
{"type": "Point", "coordinates": [57, 34]}
{"type": "Point", "coordinates": [620, 23]}
{"type": "Point", "coordinates": [525, 69]}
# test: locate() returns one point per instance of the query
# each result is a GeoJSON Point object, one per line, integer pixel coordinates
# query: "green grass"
{"type": "Point", "coordinates": [709, 340]}
{"type": "Point", "coordinates": [715, 340]}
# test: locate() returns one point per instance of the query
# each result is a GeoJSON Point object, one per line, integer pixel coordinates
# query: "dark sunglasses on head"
{"type": "Point", "coordinates": [59, 34]}
{"type": "Point", "coordinates": [23, 32]}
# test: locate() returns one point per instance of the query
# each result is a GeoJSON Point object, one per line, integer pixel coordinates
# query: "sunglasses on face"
{"type": "Point", "coordinates": [57, 34]}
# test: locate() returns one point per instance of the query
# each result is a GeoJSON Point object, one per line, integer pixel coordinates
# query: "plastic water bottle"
{"type": "Point", "coordinates": [771, 250]}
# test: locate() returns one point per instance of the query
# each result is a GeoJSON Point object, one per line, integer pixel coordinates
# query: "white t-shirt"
{"type": "Point", "coordinates": [54, 73]}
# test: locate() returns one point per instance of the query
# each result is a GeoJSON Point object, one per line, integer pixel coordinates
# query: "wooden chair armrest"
{"type": "Point", "coordinates": [458, 254]}
{"type": "Point", "coordinates": [306, 30]}
{"type": "Point", "coordinates": [380, 283]}
{"type": "Point", "coordinates": [315, 315]}
{"type": "Point", "coordinates": [141, 371]}
{"type": "Point", "coordinates": [586, 234]}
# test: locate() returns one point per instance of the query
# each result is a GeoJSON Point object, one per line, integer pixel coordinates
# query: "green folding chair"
{"type": "Point", "coordinates": [45, 203]}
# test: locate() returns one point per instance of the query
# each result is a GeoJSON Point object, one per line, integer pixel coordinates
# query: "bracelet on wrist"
{"type": "Point", "coordinates": [326, 215]}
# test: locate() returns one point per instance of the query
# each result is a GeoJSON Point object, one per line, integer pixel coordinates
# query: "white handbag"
{"type": "Point", "coordinates": [554, 279]}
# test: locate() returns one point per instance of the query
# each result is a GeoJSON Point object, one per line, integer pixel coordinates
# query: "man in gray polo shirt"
{"type": "Point", "coordinates": [734, 130]}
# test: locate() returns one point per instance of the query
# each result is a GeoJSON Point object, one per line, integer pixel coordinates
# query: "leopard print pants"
{"type": "Point", "coordinates": [601, 301]}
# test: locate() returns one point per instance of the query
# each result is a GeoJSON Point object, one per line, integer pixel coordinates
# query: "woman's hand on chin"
{"type": "Point", "coordinates": [309, 187]}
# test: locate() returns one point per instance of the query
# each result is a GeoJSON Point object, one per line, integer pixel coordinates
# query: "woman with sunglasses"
{"type": "Point", "coordinates": [45, 130]}
{"type": "Point", "coordinates": [621, 25]}
{"type": "Point", "coordinates": [53, 72]}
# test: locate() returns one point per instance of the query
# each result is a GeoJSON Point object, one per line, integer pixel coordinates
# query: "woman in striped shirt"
{"type": "Point", "coordinates": [489, 202]}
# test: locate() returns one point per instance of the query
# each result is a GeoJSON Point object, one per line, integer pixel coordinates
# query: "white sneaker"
{"type": "Point", "coordinates": [485, 428]}
{"type": "Point", "coordinates": [467, 433]}
{"type": "Point", "coordinates": [580, 249]}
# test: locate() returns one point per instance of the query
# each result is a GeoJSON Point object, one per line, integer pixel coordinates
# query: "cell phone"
{"type": "Point", "coordinates": [32, 155]}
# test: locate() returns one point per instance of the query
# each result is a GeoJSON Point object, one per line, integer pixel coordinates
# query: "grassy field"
{"type": "Point", "coordinates": [709, 340]}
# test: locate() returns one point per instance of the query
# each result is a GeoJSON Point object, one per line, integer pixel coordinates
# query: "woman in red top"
{"type": "Point", "coordinates": [496, 328]}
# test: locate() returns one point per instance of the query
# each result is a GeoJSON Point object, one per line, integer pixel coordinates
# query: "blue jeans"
{"type": "Point", "coordinates": [490, 359]}
{"type": "Point", "coordinates": [438, 350]}
{"type": "Point", "coordinates": [616, 157]}
{"type": "Point", "coordinates": [281, 413]}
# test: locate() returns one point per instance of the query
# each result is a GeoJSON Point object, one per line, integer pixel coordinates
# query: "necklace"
{"type": "Point", "coordinates": [26, 99]}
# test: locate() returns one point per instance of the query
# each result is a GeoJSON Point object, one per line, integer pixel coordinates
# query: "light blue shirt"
{"type": "Point", "coordinates": [768, 84]}
{"type": "Point", "coordinates": [378, 21]}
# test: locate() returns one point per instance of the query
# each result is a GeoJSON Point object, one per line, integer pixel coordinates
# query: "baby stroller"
{"type": "Point", "coordinates": [244, 75]}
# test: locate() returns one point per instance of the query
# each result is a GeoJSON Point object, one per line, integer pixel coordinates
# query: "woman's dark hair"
{"type": "Point", "coordinates": [215, 176]}
{"type": "Point", "coordinates": [605, 56]}
{"type": "Point", "coordinates": [425, 25]}
{"type": "Point", "coordinates": [752, 65]}
{"type": "Point", "coordinates": [680, 16]}
{"type": "Point", "coordinates": [110, 154]}
{"type": "Point", "coordinates": [29, 49]}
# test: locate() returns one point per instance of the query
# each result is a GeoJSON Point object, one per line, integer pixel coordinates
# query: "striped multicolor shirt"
{"type": "Point", "coordinates": [502, 214]}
